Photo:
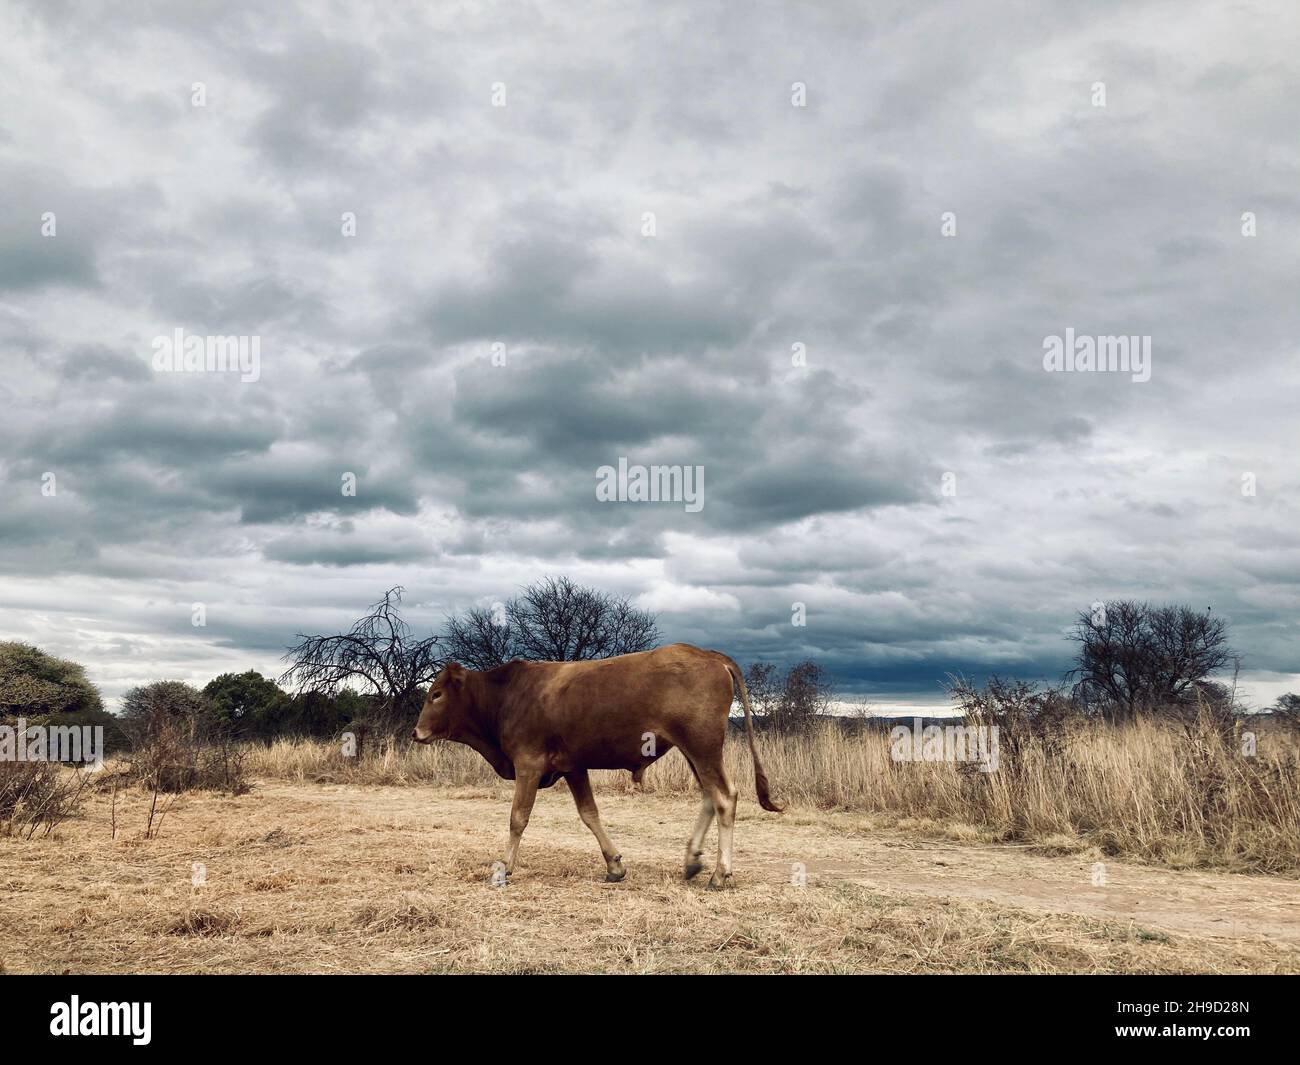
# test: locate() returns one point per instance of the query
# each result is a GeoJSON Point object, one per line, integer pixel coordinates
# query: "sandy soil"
{"type": "Point", "coordinates": [1181, 901]}
{"type": "Point", "coordinates": [340, 878]}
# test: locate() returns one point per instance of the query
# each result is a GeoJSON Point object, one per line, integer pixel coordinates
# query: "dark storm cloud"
{"type": "Point", "coordinates": [339, 547]}
{"type": "Point", "coordinates": [144, 426]}
{"type": "Point", "coordinates": [51, 230]}
{"type": "Point", "coordinates": [554, 287]}
{"type": "Point", "coordinates": [276, 488]}
{"type": "Point", "coordinates": [936, 501]}
{"type": "Point", "coordinates": [98, 362]}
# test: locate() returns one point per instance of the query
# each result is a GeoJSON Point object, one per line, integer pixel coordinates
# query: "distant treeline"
{"type": "Point", "coordinates": [1134, 659]}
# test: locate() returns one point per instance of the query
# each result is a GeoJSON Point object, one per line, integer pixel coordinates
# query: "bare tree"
{"type": "Point", "coordinates": [481, 638]}
{"type": "Point", "coordinates": [761, 681]}
{"type": "Point", "coordinates": [379, 653]}
{"type": "Point", "coordinates": [805, 695]}
{"type": "Point", "coordinates": [791, 701]}
{"type": "Point", "coordinates": [552, 620]}
{"type": "Point", "coordinates": [1287, 709]}
{"type": "Point", "coordinates": [1135, 657]}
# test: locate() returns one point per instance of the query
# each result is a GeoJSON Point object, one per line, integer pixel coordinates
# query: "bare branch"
{"type": "Point", "coordinates": [552, 620]}
{"type": "Point", "coordinates": [379, 651]}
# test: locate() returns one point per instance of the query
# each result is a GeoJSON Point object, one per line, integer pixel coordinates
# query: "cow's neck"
{"type": "Point", "coordinates": [478, 729]}
{"type": "Point", "coordinates": [496, 757]}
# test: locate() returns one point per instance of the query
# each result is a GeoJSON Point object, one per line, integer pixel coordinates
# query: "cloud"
{"type": "Point", "coordinates": [865, 395]}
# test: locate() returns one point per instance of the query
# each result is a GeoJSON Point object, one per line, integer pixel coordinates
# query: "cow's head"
{"type": "Point", "coordinates": [441, 705]}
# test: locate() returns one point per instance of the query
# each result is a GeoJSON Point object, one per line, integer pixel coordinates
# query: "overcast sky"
{"type": "Point", "coordinates": [219, 209]}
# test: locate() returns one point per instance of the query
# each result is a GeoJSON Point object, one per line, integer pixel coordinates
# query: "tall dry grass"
{"type": "Point", "coordinates": [1176, 794]}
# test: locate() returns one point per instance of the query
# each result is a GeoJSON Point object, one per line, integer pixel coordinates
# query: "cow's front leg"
{"type": "Point", "coordinates": [526, 780]}
{"type": "Point", "coordinates": [580, 786]}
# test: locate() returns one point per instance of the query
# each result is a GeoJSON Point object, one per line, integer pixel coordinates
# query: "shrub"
{"type": "Point", "coordinates": [175, 756]}
{"type": "Point", "coordinates": [789, 702]}
{"type": "Point", "coordinates": [37, 797]}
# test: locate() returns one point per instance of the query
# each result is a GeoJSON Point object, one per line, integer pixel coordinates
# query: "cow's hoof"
{"type": "Point", "coordinates": [614, 878]}
{"type": "Point", "coordinates": [693, 869]}
{"type": "Point", "coordinates": [720, 883]}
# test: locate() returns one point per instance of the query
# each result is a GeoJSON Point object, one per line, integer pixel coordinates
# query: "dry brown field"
{"type": "Point", "coordinates": [383, 865]}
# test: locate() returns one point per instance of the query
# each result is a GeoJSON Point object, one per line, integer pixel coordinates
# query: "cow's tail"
{"type": "Point", "coordinates": [765, 799]}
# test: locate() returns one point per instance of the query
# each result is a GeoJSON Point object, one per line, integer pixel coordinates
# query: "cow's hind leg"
{"type": "Point", "coordinates": [718, 789]}
{"type": "Point", "coordinates": [695, 848]}
{"type": "Point", "coordinates": [695, 845]}
{"type": "Point", "coordinates": [580, 786]}
{"type": "Point", "coordinates": [526, 782]}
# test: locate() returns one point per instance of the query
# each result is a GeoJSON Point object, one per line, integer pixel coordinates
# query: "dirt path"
{"type": "Point", "coordinates": [1198, 904]}
{"type": "Point", "coordinates": [839, 847]}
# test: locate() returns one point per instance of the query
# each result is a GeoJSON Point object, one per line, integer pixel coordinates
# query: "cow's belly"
{"type": "Point", "coordinates": [608, 754]}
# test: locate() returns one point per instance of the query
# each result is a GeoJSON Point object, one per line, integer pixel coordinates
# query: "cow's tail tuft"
{"type": "Point", "coordinates": [765, 799]}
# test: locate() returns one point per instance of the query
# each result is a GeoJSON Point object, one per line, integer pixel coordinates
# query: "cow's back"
{"type": "Point", "coordinates": [615, 713]}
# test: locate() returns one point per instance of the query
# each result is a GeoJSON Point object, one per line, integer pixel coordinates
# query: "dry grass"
{"type": "Point", "coordinates": [1184, 797]}
{"type": "Point", "coordinates": [342, 878]}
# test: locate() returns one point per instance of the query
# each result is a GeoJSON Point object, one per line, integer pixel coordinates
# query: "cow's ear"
{"type": "Point", "coordinates": [455, 674]}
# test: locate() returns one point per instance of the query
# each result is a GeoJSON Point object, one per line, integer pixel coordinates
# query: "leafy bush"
{"type": "Point", "coordinates": [44, 690]}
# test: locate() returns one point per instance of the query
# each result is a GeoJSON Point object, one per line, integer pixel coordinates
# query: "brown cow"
{"type": "Point", "coordinates": [535, 722]}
